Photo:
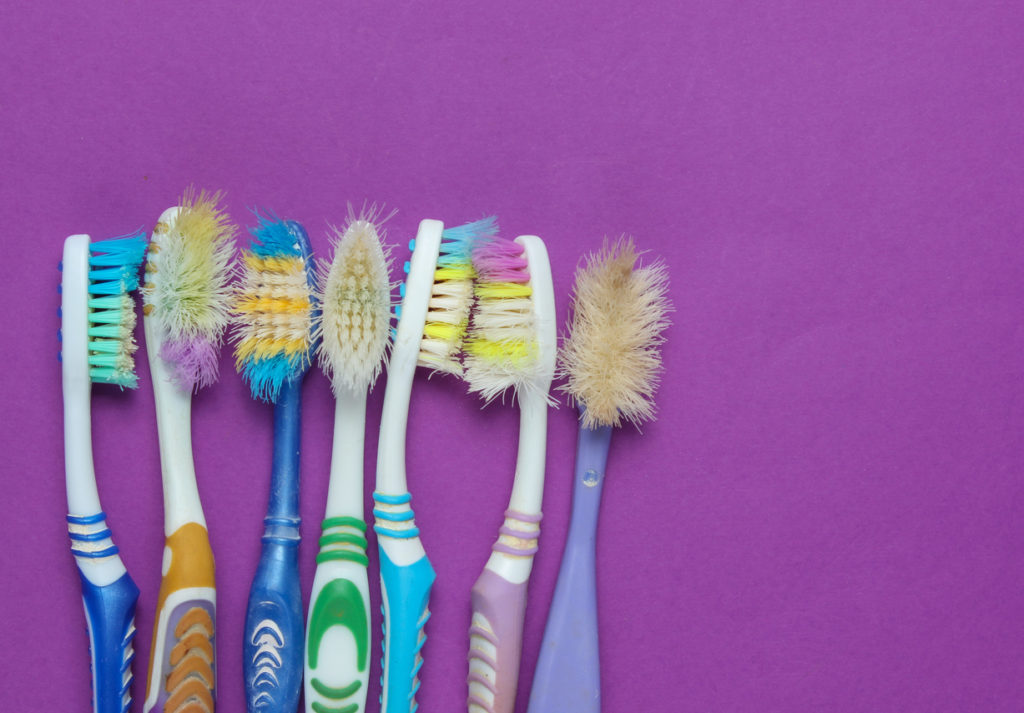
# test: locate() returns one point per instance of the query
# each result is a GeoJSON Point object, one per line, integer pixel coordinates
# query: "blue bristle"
{"type": "Point", "coordinates": [401, 290]}
{"type": "Point", "coordinates": [457, 243]}
{"type": "Point", "coordinates": [398, 311]}
{"type": "Point", "coordinates": [412, 244]}
{"type": "Point", "coordinates": [272, 237]}
{"type": "Point", "coordinates": [118, 260]}
{"type": "Point", "coordinates": [266, 376]}
{"type": "Point", "coordinates": [406, 266]}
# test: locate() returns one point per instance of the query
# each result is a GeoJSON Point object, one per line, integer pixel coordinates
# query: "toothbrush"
{"type": "Point", "coordinates": [186, 297]}
{"type": "Point", "coordinates": [97, 346]}
{"type": "Point", "coordinates": [275, 312]}
{"type": "Point", "coordinates": [433, 316]}
{"type": "Point", "coordinates": [613, 362]}
{"type": "Point", "coordinates": [354, 329]}
{"type": "Point", "coordinates": [512, 343]}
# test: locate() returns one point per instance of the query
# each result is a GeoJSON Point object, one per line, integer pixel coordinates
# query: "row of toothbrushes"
{"type": "Point", "coordinates": [473, 305]}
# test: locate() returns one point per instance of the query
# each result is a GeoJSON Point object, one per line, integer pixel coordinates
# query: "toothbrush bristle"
{"type": "Point", "coordinates": [113, 274]}
{"type": "Point", "coordinates": [355, 323]}
{"type": "Point", "coordinates": [501, 348]}
{"type": "Point", "coordinates": [612, 354]}
{"type": "Point", "coordinates": [452, 295]}
{"type": "Point", "coordinates": [273, 308]}
{"type": "Point", "coordinates": [187, 286]}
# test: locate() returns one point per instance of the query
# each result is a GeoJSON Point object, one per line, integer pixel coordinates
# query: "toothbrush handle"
{"type": "Point", "coordinates": [337, 673]}
{"type": "Point", "coordinates": [567, 677]}
{"type": "Point", "coordinates": [109, 613]}
{"type": "Point", "coordinates": [499, 611]}
{"type": "Point", "coordinates": [182, 662]}
{"type": "Point", "coordinates": [405, 588]}
{"type": "Point", "coordinates": [272, 651]}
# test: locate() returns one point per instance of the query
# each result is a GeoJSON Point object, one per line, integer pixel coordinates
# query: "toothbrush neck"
{"type": "Point", "coordinates": [284, 479]}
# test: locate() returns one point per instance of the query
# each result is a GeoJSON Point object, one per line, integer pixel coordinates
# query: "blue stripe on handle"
{"type": "Point", "coordinates": [392, 499]}
{"type": "Point", "coordinates": [397, 534]}
{"type": "Point", "coordinates": [90, 536]}
{"type": "Point", "coordinates": [112, 550]}
{"type": "Point", "coordinates": [87, 519]}
{"type": "Point", "coordinates": [393, 516]}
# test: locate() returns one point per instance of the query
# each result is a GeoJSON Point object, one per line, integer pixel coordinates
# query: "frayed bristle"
{"type": "Point", "coordinates": [612, 355]}
{"type": "Point", "coordinates": [273, 309]}
{"type": "Point", "coordinates": [355, 323]}
{"type": "Point", "coordinates": [113, 274]}
{"type": "Point", "coordinates": [451, 298]}
{"type": "Point", "coordinates": [187, 286]}
{"type": "Point", "coordinates": [501, 348]}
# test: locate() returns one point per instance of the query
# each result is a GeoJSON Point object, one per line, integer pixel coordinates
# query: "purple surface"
{"type": "Point", "coordinates": [827, 514]}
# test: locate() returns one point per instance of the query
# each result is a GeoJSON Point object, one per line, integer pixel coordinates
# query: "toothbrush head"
{"type": "Point", "coordinates": [355, 323]}
{"type": "Point", "coordinates": [511, 340]}
{"type": "Point", "coordinates": [612, 355]}
{"type": "Point", "coordinates": [186, 290]}
{"type": "Point", "coordinates": [274, 307]}
{"type": "Point", "coordinates": [109, 274]}
{"type": "Point", "coordinates": [451, 296]}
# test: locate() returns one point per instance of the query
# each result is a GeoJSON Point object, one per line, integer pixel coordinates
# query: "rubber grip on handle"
{"type": "Point", "coordinates": [337, 669]}
{"type": "Point", "coordinates": [272, 650]}
{"type": "Point", "coordinates": [406, 593]}
{"type": "Point", "coordinates": [496, 641]}
{"type": "Point", "coordinates": [568, 676]}
{"type": "Point", "coordinates": [110, 612]}
{"type": "Point", "coordinates": [182, 663]}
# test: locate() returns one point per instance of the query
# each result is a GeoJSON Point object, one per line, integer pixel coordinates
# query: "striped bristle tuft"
{"type": "Point", "coordinates": [452, 295]}
{"type": "Point", "coordinates": [501, 348]}
{"type": "Point", "coordinates": [273, 308]}
{"type": "Point", "coordinates": [113, 275]}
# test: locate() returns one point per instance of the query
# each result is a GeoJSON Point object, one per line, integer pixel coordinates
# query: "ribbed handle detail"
{"type": "Point", "coordinates": [496, 630]}
{"type": "Point", "coordinates": [337, 675]}
{"type": "Point", "coordinates": [406, 591]}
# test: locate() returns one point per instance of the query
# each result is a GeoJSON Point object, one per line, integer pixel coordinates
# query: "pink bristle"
{"type": "Point", "coordinates": [501, 261]}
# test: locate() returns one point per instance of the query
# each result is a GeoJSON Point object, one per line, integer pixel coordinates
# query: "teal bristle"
{"type": "Point", "coordinates": [113, 274]}
{"type": "Point", "coordinates": [457, 243]}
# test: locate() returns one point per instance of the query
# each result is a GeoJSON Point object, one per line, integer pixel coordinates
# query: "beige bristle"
{"type": "Point", "coordinates": [611, 356]}
{"type": "Point", "coordinates": [272, 309]}
{"type": "Point", "coordinates": [355, 325]}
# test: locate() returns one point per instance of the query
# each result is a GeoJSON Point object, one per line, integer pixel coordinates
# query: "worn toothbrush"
{"type": "Point", "coordinates": [354, 332]}
{"type": "Point", "coordinates": [274, 310]}
{"type": "Point", "coordinates": [433, 317]}
{"type": "Point", "coordinates": [512, 343]}
{"type": "Point", "coordinates": [187, 299]}
{"type": "Point", "coordinates": [97, 346]}
{"type": "Point", "coordinates": [613, 362]}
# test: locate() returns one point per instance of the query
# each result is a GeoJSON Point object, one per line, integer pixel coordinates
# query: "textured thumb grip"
{"type": "Point", "coordinates": [406, 591]}
{"type": "Point", "coordinates": [110, 611]}
{"type": "Point", "coordinates": [495, 643]}
{"type": "Point", "coordinates": [182, 663]}
{"type": "Point", "coordinates": [272, 649]}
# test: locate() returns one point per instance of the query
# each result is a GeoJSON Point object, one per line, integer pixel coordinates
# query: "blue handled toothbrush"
{"type": "Point", "coordinates": [433, 317]}
{"type": "Point", "coordinates": [275, 313]}
{"type": "Point", "coordinates": [97, 320]}
{"type": "Point", "coordinates": [613, 361]}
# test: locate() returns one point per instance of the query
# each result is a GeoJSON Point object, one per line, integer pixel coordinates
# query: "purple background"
{"type": "Point", "coordinates": [826, 514]}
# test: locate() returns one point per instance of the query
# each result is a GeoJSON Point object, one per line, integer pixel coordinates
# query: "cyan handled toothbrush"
{"type": "Point", "coordinates": [97, 344]}
{"type": "Point", "coordinates": [612, 359]}
{"type": "Point", "coordinates": [433, 318]}
{"type": "Point", "coordinates": [354, 330]}
{"type": "Point", "coordinates": [275, 310]}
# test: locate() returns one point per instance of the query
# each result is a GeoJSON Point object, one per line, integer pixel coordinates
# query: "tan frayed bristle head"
{"type": "Point", "coordinates": [355, 298]}
{"type": "Point", "coordinates": [612, 356]}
